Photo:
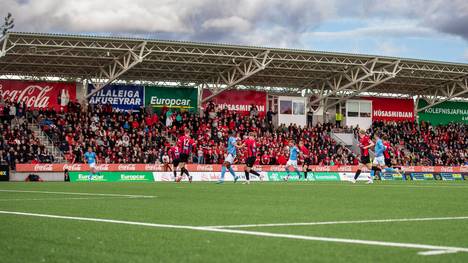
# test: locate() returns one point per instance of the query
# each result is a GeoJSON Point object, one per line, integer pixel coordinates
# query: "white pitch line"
{"type": "Point", "coordinates": [77, 193]}
{"type": "Point", "coordinates": [436, 252]}
{"type": "Point", "coordinates": [343, 183]}
{"type": "Point", "coordinates": [430, 248]}
{"type": "Point", "coordinates": [66, 198]}
{"type": "Point", "coordinates": [344, 222]}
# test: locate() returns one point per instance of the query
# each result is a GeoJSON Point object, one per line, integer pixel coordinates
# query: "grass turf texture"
{"type": "Point", "coordinates": [33, 239]}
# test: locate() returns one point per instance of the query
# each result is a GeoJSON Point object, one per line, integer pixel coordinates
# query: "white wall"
{"type": "Point", "coordinates": [363, 107]}
{"type": "Point", "coordinates": [299, 119]}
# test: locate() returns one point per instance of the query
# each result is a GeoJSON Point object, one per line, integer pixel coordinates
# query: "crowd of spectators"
{"type": "Point", "coordinates": [424, 144]}
{"type": "Point", "coordinates": [147, 137]}
{"type": "Point", "coordinates": [17, 142]}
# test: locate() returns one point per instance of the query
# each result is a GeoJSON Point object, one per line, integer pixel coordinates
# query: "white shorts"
{"type": "Point", "coordinates": [230, 158]}
{"type": "Point", "coordinates": [92, 165]}
{"type": "Point", "coordinates": [292, 163]}
{"type": "Point", "coordinates": [379, 161]}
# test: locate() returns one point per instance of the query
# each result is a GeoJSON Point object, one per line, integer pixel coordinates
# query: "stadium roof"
{"type": "Point", "coordinates": [103, 60]}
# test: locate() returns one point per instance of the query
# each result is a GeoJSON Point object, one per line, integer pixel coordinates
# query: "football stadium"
{"type": "Point", "coordinates": [139, 149]}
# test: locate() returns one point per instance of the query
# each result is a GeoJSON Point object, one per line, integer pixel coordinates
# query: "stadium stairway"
{"type": "Point", "coordinates": [345, 139]}
{"type": "Point", "coordinates": [46, 141]}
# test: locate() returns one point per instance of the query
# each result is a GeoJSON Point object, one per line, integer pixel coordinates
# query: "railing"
{"type": "Point", "coordinates": [50, 145]}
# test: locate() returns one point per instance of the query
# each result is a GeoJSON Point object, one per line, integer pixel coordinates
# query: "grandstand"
{"type": "Point", "coordinates": [129, 99]}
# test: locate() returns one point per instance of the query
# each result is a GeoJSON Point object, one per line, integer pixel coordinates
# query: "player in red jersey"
{"type": "Point", "coordinates": [175, 155]}
{"type": "Point", "coordinates": [251, 154]}
{"type": "Point", "coordinates": [389, 167]}
{"type": "Point", "coordinates": [306, 155]}
{"type": "Point", "coordinates": [365, 144]}
{"type": "Point", "coordinates": [185, 144]}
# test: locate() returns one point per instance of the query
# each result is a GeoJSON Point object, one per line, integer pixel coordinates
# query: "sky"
{"type": "Point", "coordinates": [422, 29]}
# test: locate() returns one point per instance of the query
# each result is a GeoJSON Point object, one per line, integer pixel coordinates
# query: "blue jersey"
{"type": "Point", "coordinates": [293, 152]}
{"type": "Point", "coordinates": [90, 157]}
{"type": "Point", "coordinates": [231, 148]}
{"type": "Point", "coordinates": [379, 148]}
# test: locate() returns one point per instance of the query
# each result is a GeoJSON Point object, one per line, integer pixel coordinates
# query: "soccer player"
{"type": "Point", "coordinates": [365, 144]}
{"type": "Point", "coordinates": [185, 144]}
{"type": "Point", "coordinates": [306, 154]}
{"type": "Point", "coordinates": [231, 156]}
{"type": "Point", "coordinates": [251, 146]}
{"type": "Point", "coordinates": [388, 157]}
{"type": "Point", "coordinates": [90, 159]}
{"type": "Point", "coordinates": [379, 160]}
{"type": "Point", "coordinates": [293, 153]}
{"type": "Point", "coordinates": [175, 155]}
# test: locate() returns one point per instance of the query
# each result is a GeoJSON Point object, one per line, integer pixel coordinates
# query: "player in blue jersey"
{"type": "Point", "coordinates": [379, 160]}
{"type": "Point", "coordinates": [91, 160]}
{"type": "Point", "coordinates": [231, 156]}
{"type": "Point", "coordinates": [293, 154]}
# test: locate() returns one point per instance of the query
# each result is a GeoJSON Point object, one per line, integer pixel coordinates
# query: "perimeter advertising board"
{"type": "Point", "coordinates": [444, 113]}
{"type": "Point", "coordinates": [38, 95]}
{"type": "Point", "coordinates": [179, 98]}
{"type": "Point", "coordinates": [121, 97]}
{"type": "Point", "coordinates": [389, 109]}
{"type": "Point", "coordinates": [239, 100]}
{"type": "Point", "coordinates": [111, 177]}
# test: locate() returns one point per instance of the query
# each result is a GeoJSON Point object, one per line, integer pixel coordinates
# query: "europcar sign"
{"type": "Point", "coordinates": [181, 98]}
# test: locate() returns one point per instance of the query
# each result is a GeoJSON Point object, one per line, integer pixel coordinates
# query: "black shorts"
{"type": "Point", "coordinates": [388, 162]}
{"type": "Point", "coordinates": [176, 162]}
{"type": "Point", "coordinates": [183, 158]}
{"type": "Point", "coordinates": [250, 161]}
{"type": "Point", "coordinates": [307, 161]}
{"type": "Point", "coordinates": [365, 159]}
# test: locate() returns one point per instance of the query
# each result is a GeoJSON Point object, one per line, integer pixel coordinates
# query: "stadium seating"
{"type": "Point", "coordinates": [17, 142]}
{"type": "Point", "coordinates": [425, 144]}
{"type": "Point", "coordinates": [145, 137]}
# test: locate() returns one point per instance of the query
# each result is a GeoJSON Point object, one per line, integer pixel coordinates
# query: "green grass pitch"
{"type": "Point", "coordinates": [29, 238]}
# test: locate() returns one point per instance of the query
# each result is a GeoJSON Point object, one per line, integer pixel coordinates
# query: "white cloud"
{"type": "Point", "coordinates": [465, 55]}
{"type": "Point", "coordinates": [384, 30]}
{"type": "Point", "coordinates": [241, 21]}
{"type": "Point", "coordinates": [388, 48]}
{"type": "Point", "coordinates": [229, 23]}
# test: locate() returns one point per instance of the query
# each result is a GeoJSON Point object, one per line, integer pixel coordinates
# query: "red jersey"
{"type": "Point", "coordinates": [251, 147]}
{"type": "Point", "coordinates": [185, 144]}
{"type": "Point", "coordinates": [365, 141]}
{"type": "Point", "coordinates": [304, 151]}
{"type": "Point", "coordinates": [387, 150]}
{"type": "Point", "coordinates": [174, 152]}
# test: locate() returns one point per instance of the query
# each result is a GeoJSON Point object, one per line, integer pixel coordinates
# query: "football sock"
{"type": "Point", "coordinates": [223, 171]}
{"type": "Point", "coordinates": [254, 172]}
{"type": "Point", "coordinates": [358, 172]}
{"type": "Point", "coordinates": [247, 176]}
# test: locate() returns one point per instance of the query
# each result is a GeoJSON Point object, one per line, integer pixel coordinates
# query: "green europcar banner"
{"type": "Point", "coordinates": [444, 112]}
{"type": "Point", "coordinates": [315, 176]}
{"type": "Point", "coordinates": [326, 176]}
{"type": "Point", "coordinates": [112, 177]}
{"type": "Point", "coordinates": [180, 98]}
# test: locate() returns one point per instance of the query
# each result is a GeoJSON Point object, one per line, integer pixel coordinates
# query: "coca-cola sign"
{"type": "Point", "coordinates": [38, 95]}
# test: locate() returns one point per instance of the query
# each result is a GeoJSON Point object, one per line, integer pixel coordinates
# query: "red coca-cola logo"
{"type": "Point", "coordinates": [345, 168]}
{"type": "Point", "coordinates": [43, 167]}
{"type": "Point", "coordinates": [409, 168]}
{"type": "Point", "coordinates": [322, 168]}
{"type": "Point", "coordinates": [72, 167]}
{"type": "Point", "coordinates": [33, 96]}
{"type": "Point", "coordinates": [205, 168]}
{"type": "Point", "coordinates": [446, 169]}
{"type": "Point", "coordinates": [464, 169]}
{"type": "Point", "coordinates": [428, 168]}
{"type": "Point", "coordinates": [126, 167]}
{"type": "Point", "coordinates": [103, 167]}
{"type": "Point", "coordinates": [153, 167]}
